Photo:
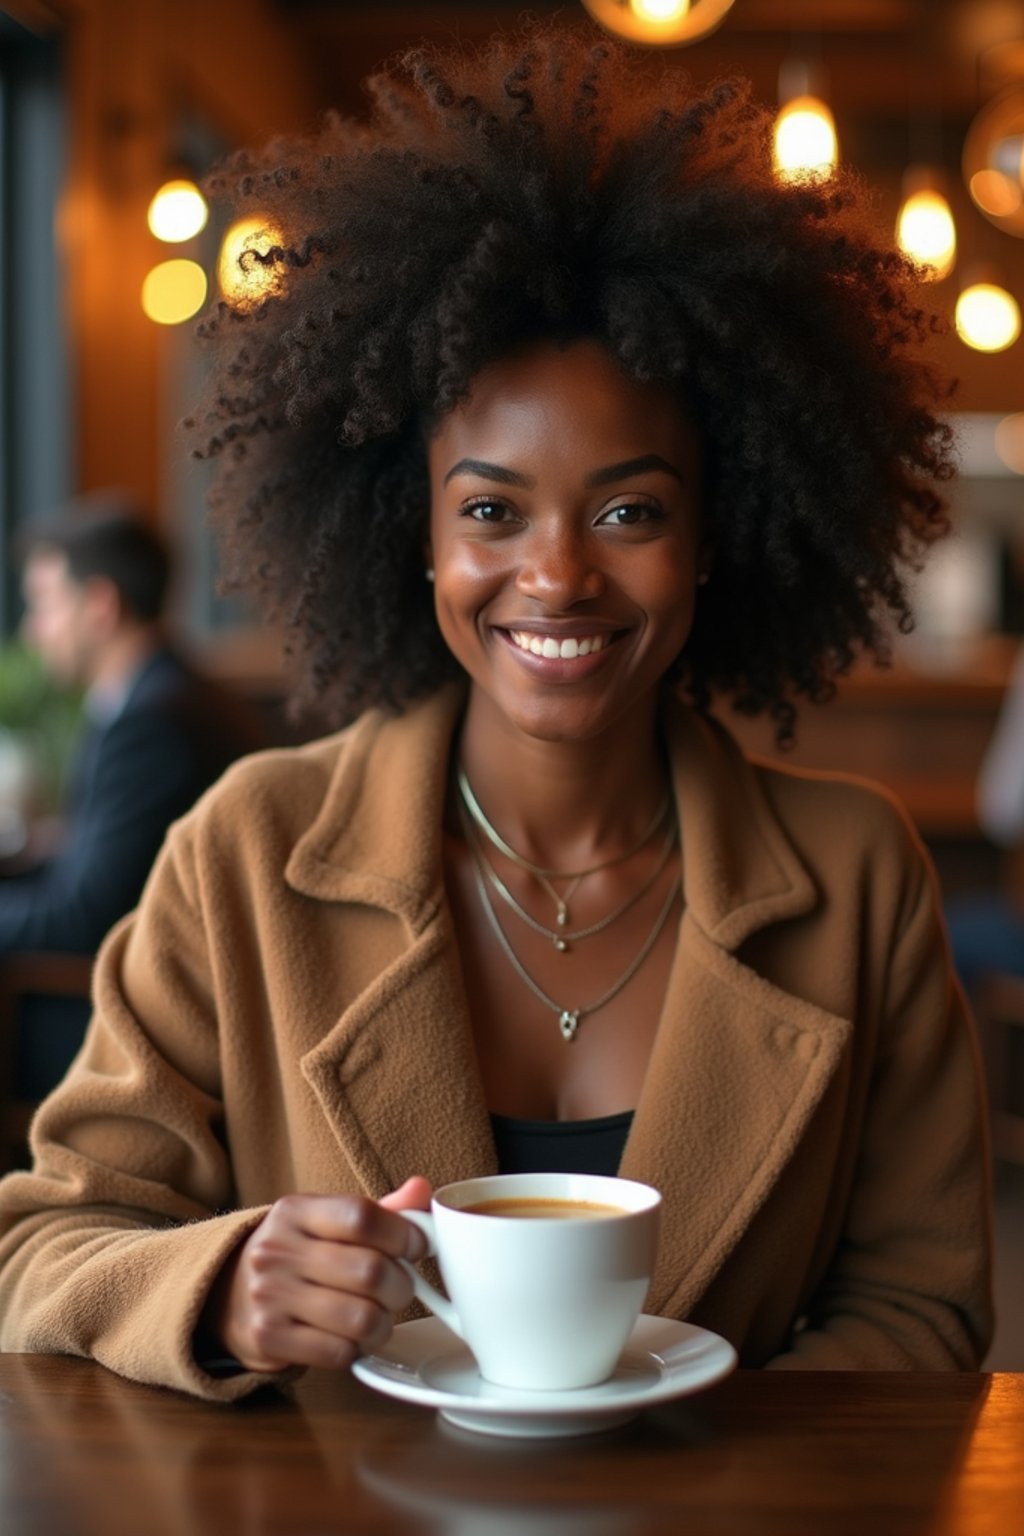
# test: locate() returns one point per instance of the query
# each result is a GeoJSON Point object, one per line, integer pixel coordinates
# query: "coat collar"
{"type": "Point", "coordinates": [376, 838]}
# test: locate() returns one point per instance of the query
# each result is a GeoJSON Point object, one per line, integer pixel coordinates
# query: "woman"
{"type": "Point", "coordinates": [561, 416]}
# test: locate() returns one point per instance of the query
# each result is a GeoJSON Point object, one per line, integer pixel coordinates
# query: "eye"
{"type": "Point", "coordinates": [487, 510]}
{"type": "Point", "coordinates": [628, 514]}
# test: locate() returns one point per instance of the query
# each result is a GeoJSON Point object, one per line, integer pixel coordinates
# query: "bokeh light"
{"type": "Point", "coordinates": [805, 140]}
{"type": "Point", "coordinates": [178, 211]}
{"type": "Point", "coordinates": [987, 317]}
{"type": "Point", "coordinates": [243, 278]}
{"type": "Point", "coordinates": [174, 291]}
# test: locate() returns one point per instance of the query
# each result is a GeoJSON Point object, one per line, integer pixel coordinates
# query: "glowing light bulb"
{"type": "Point", "coordinates": [174, 291]}
{"type": "Point", "coordinates": [926, 233]}
{"type": "Point", "coordinates": [243, 278]}
{"type": "Point", "coordinates": [178, 211]}
{"type": "Point", "coordinates": [659, 10]}
{"type": "Point", "coordinates": [659, 23]}
{"type": "Point", "coordinates": [805, 140]}
{"type": "Point", "coordinates": [987, 317]}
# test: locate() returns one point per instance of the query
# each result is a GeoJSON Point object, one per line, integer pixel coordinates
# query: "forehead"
{"type": "Point", "coordinates": [575, 398]}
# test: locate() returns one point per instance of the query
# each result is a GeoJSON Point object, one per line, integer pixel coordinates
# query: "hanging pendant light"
{"type": "Point", "coordinates": [987, 314]}
{"type": "Point", "coordinates": [173, 292]}
{"type": "Point", "coordinates": [925, 228]}
{"type": "Point", "coordinates": [177, 211]}
{"type": "Point", "coordinates": [805, 144]}
{"type": "Point", "coordinates": [659, 23]}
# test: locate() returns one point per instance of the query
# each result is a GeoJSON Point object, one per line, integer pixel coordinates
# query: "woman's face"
{"type": "Point", "coordinates": [565, 538]}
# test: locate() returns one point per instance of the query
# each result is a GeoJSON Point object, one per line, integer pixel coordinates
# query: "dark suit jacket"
{"type": "Point", "coordinates": [174, 735]}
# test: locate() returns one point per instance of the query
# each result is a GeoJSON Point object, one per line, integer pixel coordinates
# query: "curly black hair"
{"type": "Point", "coordinates": [552, 185]}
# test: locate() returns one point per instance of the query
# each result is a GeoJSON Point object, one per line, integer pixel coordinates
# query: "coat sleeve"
{"type": "Point", "coordinates": [109, 1245]}
{"type": "Point", "coordinates": [910, 1283]}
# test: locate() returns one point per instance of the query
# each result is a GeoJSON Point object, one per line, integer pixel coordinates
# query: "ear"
{"type": "Point", "coordinates": [103, 603]}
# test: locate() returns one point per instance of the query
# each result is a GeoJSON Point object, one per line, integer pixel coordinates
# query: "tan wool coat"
{"type": "Point", "coordinates": [285, 1012]}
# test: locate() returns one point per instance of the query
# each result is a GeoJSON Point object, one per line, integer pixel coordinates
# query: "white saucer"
{"type": "Point", "coordinates": [425, 1363]}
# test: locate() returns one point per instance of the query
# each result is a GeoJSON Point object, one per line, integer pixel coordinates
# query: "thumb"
{"type": "Point", "coordinates": [413, 1195]}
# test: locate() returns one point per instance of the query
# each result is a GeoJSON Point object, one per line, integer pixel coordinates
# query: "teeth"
{"type": "Point", "coordinates": [550, 647]}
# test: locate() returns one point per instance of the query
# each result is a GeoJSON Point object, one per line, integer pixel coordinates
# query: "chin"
{"type": "Point", "coordinates": [553, 721]}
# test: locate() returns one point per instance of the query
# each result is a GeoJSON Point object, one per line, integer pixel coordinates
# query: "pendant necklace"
{"type": "Point", "coordinates": [569, 1018]}
{"type": "Point", "coordinates": [542, 875]}
{"type": "Point", "coordinates": [560, 938]}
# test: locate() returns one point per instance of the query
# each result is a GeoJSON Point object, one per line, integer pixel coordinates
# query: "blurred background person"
{"type": "Point", "coordinates": [156, 734]}
{"type": "Point", "coordinates": [986, 928]}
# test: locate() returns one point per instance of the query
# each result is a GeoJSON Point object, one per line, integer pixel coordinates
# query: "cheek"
{"type": "Point", "coordinates": [464, 581]}
{"type": "Point", "coordinates": [669, 604]}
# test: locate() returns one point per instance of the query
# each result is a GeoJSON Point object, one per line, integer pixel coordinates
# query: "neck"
{"type": "Point", "coordinates": [563, 804]}
{"type": "Point", "coordinates": [123, 655]}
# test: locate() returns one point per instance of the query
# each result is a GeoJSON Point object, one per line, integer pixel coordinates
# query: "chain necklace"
{"type": "Point", "coordinates": [560, 939]}
{"type": "Point", "coordinates": [569, 1018]}
{"type": "Point", "coordinates": [541, 874]}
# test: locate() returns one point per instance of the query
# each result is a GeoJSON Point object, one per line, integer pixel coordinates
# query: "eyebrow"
{"type": "Point", "coordinates": [642, 465]}
{"type": "Point", "coordinates": [487, 471]}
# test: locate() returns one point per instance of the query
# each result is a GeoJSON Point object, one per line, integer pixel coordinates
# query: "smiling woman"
{"type": "Point", "coordinates": [561, 415]}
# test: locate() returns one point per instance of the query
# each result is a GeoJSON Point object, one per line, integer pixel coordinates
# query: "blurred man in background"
{"type": "Point", "coordinates": [95, 583]}
{"type": "Point", "coordinates": [986, 928]}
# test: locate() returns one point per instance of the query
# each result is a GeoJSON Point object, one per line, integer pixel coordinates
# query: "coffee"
{"type": "Point", "coordinates": [533, 1207]}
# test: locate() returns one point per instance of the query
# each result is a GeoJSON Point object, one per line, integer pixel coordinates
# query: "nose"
{"type": "Point", "coordinates": [559, 568]}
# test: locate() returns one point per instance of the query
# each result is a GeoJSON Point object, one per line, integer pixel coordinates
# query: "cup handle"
{"type": "Point", "coordinates": [423, 1290]}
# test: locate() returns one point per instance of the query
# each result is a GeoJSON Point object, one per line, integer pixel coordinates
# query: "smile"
{"type": "Point", "coordinates": [547, 645]}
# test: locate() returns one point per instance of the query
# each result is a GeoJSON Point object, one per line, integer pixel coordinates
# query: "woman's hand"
{"type": "Point", "coordinates": [317, 1282]}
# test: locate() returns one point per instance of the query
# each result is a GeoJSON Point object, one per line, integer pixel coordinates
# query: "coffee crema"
{"type": "Point", "coordinates": [534, 1206]}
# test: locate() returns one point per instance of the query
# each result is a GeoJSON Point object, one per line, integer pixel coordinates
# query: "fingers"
{"type": "Point", "coordinates": [353, 1219]}
{"type": "Point", "coordinates": [318, 1281]}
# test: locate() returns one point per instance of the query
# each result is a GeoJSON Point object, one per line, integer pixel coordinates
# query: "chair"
{"type": "Point", "coordinates": [27, 975]}
{"type": "Point", "coordinates": [1000, 1013]}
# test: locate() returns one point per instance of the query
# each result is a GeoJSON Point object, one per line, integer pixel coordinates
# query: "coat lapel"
{"type": "Point", "coordinates": [739, 1065]}
{"type": "Point", "coordinates": [737, 1071]}
{"type": "Point", "coordinates": [397, 1076]}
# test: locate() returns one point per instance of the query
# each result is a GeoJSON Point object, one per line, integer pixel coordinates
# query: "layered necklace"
{"type": "Point", "coordinates": [473, 816]}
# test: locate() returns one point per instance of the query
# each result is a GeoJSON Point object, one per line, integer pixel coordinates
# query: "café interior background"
{"type": "Point", "coordinates": [104, 100]}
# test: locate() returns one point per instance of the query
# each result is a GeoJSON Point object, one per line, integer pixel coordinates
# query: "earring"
{"type": "Point", "coordinates": [429, 573]}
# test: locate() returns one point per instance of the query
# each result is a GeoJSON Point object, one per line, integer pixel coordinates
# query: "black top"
{"type": "Point", "coordinates": [561, 1146]}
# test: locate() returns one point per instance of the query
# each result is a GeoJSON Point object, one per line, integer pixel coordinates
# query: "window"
{"type": "Point", "coordinates": [36, 471]}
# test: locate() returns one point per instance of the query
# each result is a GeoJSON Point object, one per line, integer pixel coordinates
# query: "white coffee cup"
{"type": "Point", "coordinates": [545, 1302]}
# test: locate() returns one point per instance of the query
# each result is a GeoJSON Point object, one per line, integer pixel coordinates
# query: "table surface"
{"type": "Point", "coordinates": [776, 1453]}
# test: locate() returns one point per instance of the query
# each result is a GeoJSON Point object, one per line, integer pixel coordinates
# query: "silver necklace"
{"type": "Point", "coordinates": [539, 872]}
{"type": "Point", "coordinates": [559, 938]}
{"type": "Point", "coordinates": [569, 1018]}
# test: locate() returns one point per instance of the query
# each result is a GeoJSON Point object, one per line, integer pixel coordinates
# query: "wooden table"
{"type": "Point", "coordinates": [83, 1453]}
